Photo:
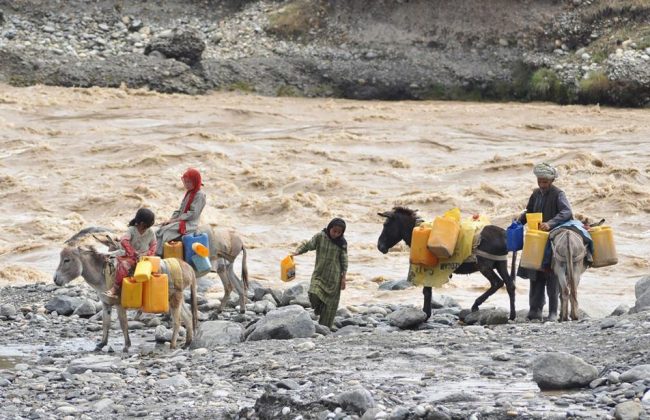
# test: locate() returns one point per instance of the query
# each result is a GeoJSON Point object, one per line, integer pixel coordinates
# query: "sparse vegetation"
{"type": "Point", "coordinates": [241, 86]}
{"type": "Point", "coordinates": [595, 88]}
{"type": "Point", "coordinates": [296, 18]}
{"type": "Point", "coordinates": [545, 85]}
{"type": "Point", "coordinates": [287, 90]}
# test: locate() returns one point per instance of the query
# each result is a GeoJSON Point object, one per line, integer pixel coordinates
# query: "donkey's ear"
{"type": "Point", "coordinates": [107, 240]}
{"type": "Point", "coordinates": [384, 214]}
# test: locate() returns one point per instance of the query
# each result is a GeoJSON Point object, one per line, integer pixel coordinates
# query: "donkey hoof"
{"type": "Point", "coordinates": [99, 347]}
{"type": "Point", "coordinates": [125, 349]}
{"type": "Point", "coordinates": [475, 308]}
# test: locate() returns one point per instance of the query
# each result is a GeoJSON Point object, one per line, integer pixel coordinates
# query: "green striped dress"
{"type": "Point", "coordinates": [325, 288]}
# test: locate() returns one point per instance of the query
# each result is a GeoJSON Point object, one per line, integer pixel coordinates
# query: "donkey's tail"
{"type": "Point", "coordinates": [195, 306]}
{"type": "Point", "coordinates": [571, 273]}
{"type": "Point", "coordinates": [244, 268]}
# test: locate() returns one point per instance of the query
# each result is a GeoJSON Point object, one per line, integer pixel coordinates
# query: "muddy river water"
{"type": "Point", "coordinates": [278, 169]}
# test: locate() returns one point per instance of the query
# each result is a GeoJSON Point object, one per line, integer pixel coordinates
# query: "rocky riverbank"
{"type": "Point", "coordinates": [274, 361]}
{"type": "Point", "coordinates": [565, 51]}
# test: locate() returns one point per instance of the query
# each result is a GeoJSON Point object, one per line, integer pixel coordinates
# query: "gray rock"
{"type": "Point", "coordinates": [637, 373]}
{"type": "Point", "coordinates": [63, 305]}
{"type": "Point", "coordinates": [283, 323]}
{"type": "Point", "coordinates": [628, 410]}
{"type": "Point", "coordinates": [395, 285]}
{"type": "Point", "coordinates": [406, 318]}
{"type": "Point", "coordinates": [357, 399]}
{"type": "Point", "coordinates": [182, 44]}
{"type": "Point", "coordinates": [103, 405]}
{"type": "Point", "coordinates": [218, 333]}
{"type": "Point", "coordinates": [642, 286]}
{"type": "Point", "coordinates": [8, 311]}
{"type": "Point", "coordinates": [177, 382]}
{"type": "Point", "coordinates": [348, 330]}
{"type": "Point", "coordinates": [486, 317]}
{"type": "Point", "coordinates": [642, 302]}
{"type": "Point", "coordinates": [294, 291]}
{"type": "Point", "coordinates": [562, 371]}
{"type": "Point", "coordinates": [86, 309]}
{"type": "Point", "coordinates": [399, 413]}
{"type": "Point", "coordinates": [620, 310]}
{"type": "Point", "coordinates": [96, 363]}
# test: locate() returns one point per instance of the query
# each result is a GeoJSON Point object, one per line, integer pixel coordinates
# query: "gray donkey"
{"type": "Point", "coordinates": [87, 262]}
{"type": "Point", "coordinates": [569, 252]}
{"type": "Point", "coordinates": [225, 246]}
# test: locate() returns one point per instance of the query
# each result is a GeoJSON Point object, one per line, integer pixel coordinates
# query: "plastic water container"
{"type": "Point", "coordinates": [534, 246]}
{"type": "Point", "coordinates": [189, 240]}
{"type": "Point", "coordinates": [201, 249]}
{"type": "Point", "coordinates": [154, 260]}
{"type": "Point", "coordinates": [533, 220]}
{"type": "Point", "coordinates": [515, 236]}
{"type": "Point", "coordinates": [201, 264]}
{"type": "Point", "coordinates": [287, 268]}
{"type": "Point", "coordinates": [173, 249]}
{"type": "Point", "coordinates": [142, 271]}
{"type": "Point", "coordinates": [155, 294]}
{"type": "Point", "coordinates": [604, 247]}
{"type": "Point", "coordinates": [420, 254]}
{"type": "Point", "coordinates": [131, 295]}
{"type": "Point", "coordinates": [443, 237]}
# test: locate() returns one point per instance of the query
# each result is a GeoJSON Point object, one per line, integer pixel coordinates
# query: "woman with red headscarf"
{"type": "Point", "coordinates": [186, 218]}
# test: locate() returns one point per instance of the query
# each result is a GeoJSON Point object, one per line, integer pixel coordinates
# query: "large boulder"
{"type": "Point", "coordinates": [63, 305]}
{"type": "Point", "coordinates": [642, 294]}
{"type": "Point", "coordinates": [218, 333]}
{"type": "Point", "coordinates": [407, 318]}
{"type": "Point", "coordinates": [182, 44]}
{"type": "Point", "coordinates": [356, 399]}
{"type": "Point", "coordinates": [562, 371]}
{"type": "Point", "coordinates": [297, 292]}
{"type": "Point", "coordinates": [284, 323]}
{"type": "Point", "coordinates": [637, 373]}
{"type": "Point", "coordinates": [95, 363]}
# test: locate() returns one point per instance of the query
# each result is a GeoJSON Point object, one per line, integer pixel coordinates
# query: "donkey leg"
{"type": "Point", "coordinates": [495, 284]}
{"type": "Point", "coordinates": [502, 269]}
{"type": "Point", "coordinates": [426, 308]}
{"type": "Point", "coordinates": [124, 325]}
{"type": "Point", "coordinates": [106, 326]}
{"type": "Point", "coordinates": [553, 292]}
{"type": "Point", "coordinates": [239, 286]}
{"type": "Point", "coordinates": [227, 288]}
{"type": "Point", "coordinates": [175, 303]}
{"type": "Point", "coordinates": [189, 326]}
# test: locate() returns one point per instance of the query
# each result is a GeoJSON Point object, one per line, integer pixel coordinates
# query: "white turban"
{"type": "Point", "coordinates": [545, 171]}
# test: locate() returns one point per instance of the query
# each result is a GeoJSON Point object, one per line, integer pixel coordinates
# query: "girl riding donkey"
{"type": "Point", "coordinates": [186, 218]}
{"type": "Point", "coordinates": [139, 240]}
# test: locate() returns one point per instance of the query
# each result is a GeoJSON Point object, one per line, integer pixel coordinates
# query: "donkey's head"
{"type": "Point", "coordinates": [73, 257]}
{"type": "Point", "coordinates": [70, 266]}
{"type": "Point", "coordinates": [398, 226]}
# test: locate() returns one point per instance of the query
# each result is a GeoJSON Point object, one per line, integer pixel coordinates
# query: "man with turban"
{"type": "Point", "coordinates": [555, 208]}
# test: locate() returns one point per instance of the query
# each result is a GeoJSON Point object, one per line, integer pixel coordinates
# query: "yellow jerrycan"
{"type": "Point", "coordinates": [287, 268]}
{"type": "Point", "coordinates": [534, 246]}
{"type": "Point", "coordinates": [154, 260]}
{"type": "Point", "coordinates": [142, 271]}
{"type": "Point", "coordinates": [420, 254]}
{"type": "Point", "coordinates": [604, 248]}
{"type": "Point", "coordinates": [131, 295]}
{"type": "Point", "coordinates": [173, 249]}
{"type": "Point", "coordinates": [533, 220]}
{"type": "Point", "coordinates": [155, 294]}
{"type": "Point", "coordinates": [444, 234]}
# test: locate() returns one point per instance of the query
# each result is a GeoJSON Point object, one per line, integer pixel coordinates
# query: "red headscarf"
{"type": "Point", "coordinates": [194, 176]}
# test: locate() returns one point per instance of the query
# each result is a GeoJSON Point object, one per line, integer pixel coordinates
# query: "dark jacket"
{"type": "Point", "coordinates": [553, 205]}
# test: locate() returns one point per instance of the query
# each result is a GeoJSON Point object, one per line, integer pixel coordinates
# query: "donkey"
{"type": "Point", "coordinates": [87, 262]}
{"type": "Point", "coordinates": [568, 265]}
{"type": "Point", "coordinates": [225, 245]}
{"type": "Point", "coordinates": [491, 254]}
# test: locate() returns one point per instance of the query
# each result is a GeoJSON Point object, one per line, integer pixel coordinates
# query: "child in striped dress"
{"type": "Point", "coordinates": [328, 278]}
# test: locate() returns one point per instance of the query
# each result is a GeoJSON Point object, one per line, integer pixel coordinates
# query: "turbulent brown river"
{"type": "Point", "coordinates": [278, 169]}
